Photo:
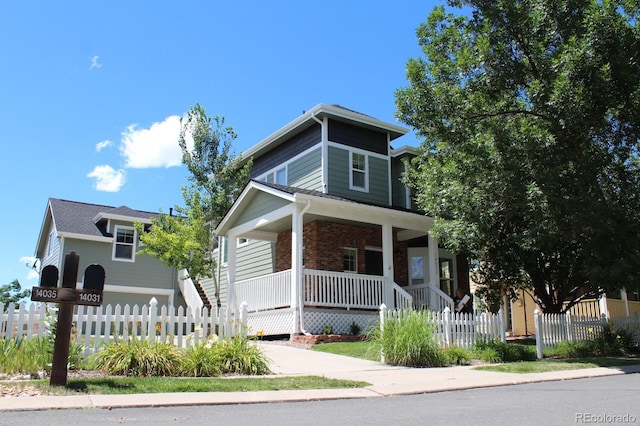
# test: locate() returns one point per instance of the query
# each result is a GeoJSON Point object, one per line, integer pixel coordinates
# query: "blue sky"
{"type": "Point", "coordinates": [91, 91]}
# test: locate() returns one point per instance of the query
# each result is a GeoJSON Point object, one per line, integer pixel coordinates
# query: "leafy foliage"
{"type": "Point", "coordinates": [13, 293]}
{"type": "Point", "coordinates": [139, 357]}
{"type": "Point", "coordinates": [530, 111]}
{"type": "Point", "coordinates": [408, 340]}
{"type": "Point", "coordinates": [238, 356]}
{"type": "Point", "coordinates": [186, 241]}
{"type": "Point", "coordinates": [498, 351]}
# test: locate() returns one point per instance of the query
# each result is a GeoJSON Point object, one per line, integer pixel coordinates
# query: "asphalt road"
{"type": "Point", "coordinates": [603, 400]}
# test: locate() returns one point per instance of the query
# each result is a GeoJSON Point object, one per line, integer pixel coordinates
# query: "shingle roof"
{"type": "Point", "coordinates": [293, 190]}
{"type": "Point", "coordinates": [78, 218]}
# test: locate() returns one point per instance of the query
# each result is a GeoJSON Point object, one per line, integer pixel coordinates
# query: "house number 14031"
{"type": "Point", "coordinates": [90, 297]}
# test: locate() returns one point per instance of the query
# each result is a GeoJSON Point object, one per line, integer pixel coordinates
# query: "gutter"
{"type": "Point", "coordinates": [300, 294]}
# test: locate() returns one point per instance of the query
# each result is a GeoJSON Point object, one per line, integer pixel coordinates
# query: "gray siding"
{"type": "Point", "coordinates": [306, 171]}
{"type": "Point", "coordinates": [54, 257]}
{"type": "Point", "coordinates": [339, 169]}
{"type": "Point", "coordinates": [146, 271]}
{"type": "Point", "coordinates": [295, 145]}
{"type": "Point", "coordinates": [260, 205]}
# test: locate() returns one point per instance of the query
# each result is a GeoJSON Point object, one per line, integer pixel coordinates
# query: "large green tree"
{"type": "Point", "coordinates": [530, 113]}
{"type": "Point", "coordinates": [217, 176]}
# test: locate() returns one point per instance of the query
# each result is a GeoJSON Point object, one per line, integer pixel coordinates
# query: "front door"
{"type": "Point", "coordinates": [373, 262]}
{"type": "Point", "coordinates": [418, 265]}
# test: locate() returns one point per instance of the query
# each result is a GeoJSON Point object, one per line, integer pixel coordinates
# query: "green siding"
{"type": "Point", "coordinates": [260, 205]}
{"type": "Point", "coordinates": [339, 169]}
{"type": "Point", "coordinates": [306, 172]}
{"type": "Point", "coordinates": [253, 260]}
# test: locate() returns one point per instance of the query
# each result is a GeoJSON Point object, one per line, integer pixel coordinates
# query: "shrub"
{"type": "Point", "coordinates": [201, 361]}
{"type": "Point", "coordinates": [498, 351]}
{"type": "Point", "coordinates": [238, 356]}
{"type": "Point", "coordinates": [327, 329]}
{"type": "Point", "coordinates": [409, 340]}
{"type": "Point", "coordinates": [33, 356]}
{"type": "Point", "coordinates": [455, 355]}
{"type": "Point", "coordinates": [579, 349]}
{"type": "Point", "coordinates": [355, 329]}
{"type": "Point", "coordinates": [139, 357]}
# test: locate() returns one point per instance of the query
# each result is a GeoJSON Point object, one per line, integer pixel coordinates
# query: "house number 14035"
{"type": "Point", "coordinates": [47, 293]}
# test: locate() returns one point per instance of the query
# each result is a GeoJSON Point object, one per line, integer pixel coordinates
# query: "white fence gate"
{"type": "Point", "coordinates": [95, 326]}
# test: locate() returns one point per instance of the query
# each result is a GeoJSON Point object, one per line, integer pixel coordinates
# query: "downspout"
{"type": "Point", "coordinates": [301, 293]}
{"type": "Point", "coordinates": [323, 143]}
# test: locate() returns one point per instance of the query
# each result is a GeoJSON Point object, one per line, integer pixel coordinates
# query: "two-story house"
{"type": "Point", "coordinates": [105, 235]}
{"type": "Point", "coordinates": [325, 231]}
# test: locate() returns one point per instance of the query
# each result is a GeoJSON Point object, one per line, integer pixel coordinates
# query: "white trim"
{"type": "Point", "coordinates": [354, 249]}
{"type": "Point", "coordinates": [322, 110]}
{"type": "Point", "coordinates": [286, 164]}
{"type": "Point", "coordinates": [325, 155]}
{"type": "Point", "coordinates": [358, 150]}
{"type": "Point", "coordinates": [364, 171]}
{"type": "Point", "coordinates": [115, 244]}
{"type": "Point", "coordinates": [389, 177]}
{"type": "Point", "coordinates": [111, 288]}
{"type": "Point", "coordinates": [96, 238]}
{"type": "Point", "coordinates": [277, 214]}
{"type": "Point", "coordinates": [406, 149]}
{"type": "Point", "coordinates": [121, 218]}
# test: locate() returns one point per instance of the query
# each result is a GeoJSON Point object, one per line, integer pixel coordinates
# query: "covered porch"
{"type": "Point", "coordinates": [335, 261]}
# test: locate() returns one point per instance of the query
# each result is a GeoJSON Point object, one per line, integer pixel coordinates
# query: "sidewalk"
{"type": "Point", "coordinates": [385, 381]}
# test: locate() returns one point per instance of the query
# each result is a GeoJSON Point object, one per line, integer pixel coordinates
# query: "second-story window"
{"type": "Point", "coordinates": [278, 176]}
{"type": "Point", "coordinates": [124, 244]}
{"type": "Point", "coordinates": [359, 171]}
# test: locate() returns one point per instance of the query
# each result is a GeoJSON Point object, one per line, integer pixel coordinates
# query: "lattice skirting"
{"type": "Point", "coordinates": [270, 323]}
{"type": "Point", "coordinates": [340, 320]}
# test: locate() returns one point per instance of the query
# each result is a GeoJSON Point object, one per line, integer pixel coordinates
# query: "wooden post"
{"type": "Point", "coordinates": [537, 321]}
{"type": "Point", "coordinates": [65, 319]}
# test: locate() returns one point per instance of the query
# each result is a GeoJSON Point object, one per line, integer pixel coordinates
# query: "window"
{"type": "Point", "coordinates": [242, 242]}
{"type": "Point", "coordinates": [124, 242]}
{"type": "Point", "coordinates": [350, 259]}
{"type": "Point", "coordinates": [278, 176]}
{"type": "Point", "coordinates": [52, 241]}
{"type": "Point", "coordinates": [446, 276]}
{"type": "Point", "coordinates": [281, 176]}
{"type": "Point", "coordinates": [359, 179]}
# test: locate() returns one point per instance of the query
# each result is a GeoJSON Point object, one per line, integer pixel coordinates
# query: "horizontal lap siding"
{"type": "Point", "coordinates": [306, 172]}
{"type": "Point", "coordinates": [339, 169]}
{"type": "Point", "coordinates": [253, 260]}
{"type": "Point", "coordinates": [146, 271]}
{"type": "Point", "coordinates": [287, 150]}
{"type": "Point", "coordinates": [260, 205]}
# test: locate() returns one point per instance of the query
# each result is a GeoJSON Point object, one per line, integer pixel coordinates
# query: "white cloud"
{"type": "Point", "coordinates": [94, 63]}
{"type": "Point", "coordinates": [28, 261]}
{"type": "Point", "coordinates": [107, 178]}
{"type": "Point", "coordinates": [103, 144]}
{"type": "Point", "coordinates": [156, 146]}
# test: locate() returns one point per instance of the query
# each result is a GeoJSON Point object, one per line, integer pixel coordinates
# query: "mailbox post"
{"type": "Point", "coordinates": [67, 296]}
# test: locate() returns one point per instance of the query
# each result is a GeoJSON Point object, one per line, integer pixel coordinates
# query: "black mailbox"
{"type": "Point", "coordinates": [49, 276]}
{"type": "Point", "coordinates": [94, 277]}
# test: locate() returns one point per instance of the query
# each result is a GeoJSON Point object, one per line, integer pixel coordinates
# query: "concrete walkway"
{"type": "Point", "coordinates": [385, 381]}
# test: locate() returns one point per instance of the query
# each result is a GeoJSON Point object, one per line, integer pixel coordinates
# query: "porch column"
{"type": "Point", "coordinates": [232, 245]}
{"type": "Point", "coordinates": [434, 266]}
{"type": "Point", "coordinates": [387, 263]}
{"type": "Point", "coordinates": [297, 298]}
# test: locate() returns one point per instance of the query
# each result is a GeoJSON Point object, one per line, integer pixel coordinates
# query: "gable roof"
{"type": "Point", "coordinates": [84, 220]}
{"type": "Point", "coordinates": [352, 210]}
{"type": "Point", "coordinates": [310, 117]}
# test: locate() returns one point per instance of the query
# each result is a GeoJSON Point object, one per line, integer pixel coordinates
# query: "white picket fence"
{"type": "Point", "coordinates": [455, 328]}
{"type": "Point", "coordinates": [552, 329]}
{"type": "Point", "coordinates": [95, 326]}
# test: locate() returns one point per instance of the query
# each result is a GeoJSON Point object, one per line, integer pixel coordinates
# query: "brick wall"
{"type": "Point", "coordinates": [323, 243]}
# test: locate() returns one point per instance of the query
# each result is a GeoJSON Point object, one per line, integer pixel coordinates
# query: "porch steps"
{"type": "Point", "coordinates": [202, 294]}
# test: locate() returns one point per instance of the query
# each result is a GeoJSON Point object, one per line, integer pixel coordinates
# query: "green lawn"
{"type": "Point", "coordinates": [558, 364]}
{"type": "Point", "coordinates": [364, 350]}
{"type": "Point", "coordinates": [131, 385]}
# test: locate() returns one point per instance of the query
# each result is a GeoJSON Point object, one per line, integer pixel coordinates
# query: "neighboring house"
{"type": "Point", "coordinates": [325, 232]}
{"type": "Point", "coordinates": [519, 313]}
{"type": "Point", "coordinates": [105, 235]}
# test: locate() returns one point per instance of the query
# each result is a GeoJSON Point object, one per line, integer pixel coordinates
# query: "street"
{"type": "Point", "coordinates": [604, 400]}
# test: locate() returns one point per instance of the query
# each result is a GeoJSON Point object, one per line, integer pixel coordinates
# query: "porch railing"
{"type": "Point", "coordinates": [265, 292]}
{"type": "Point", "coordinates": [342, 289]}
{"type": "Point", "coordinates": [188, 290]}
{"type": "Point", "coordinates": [426, 296]}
